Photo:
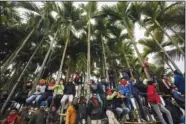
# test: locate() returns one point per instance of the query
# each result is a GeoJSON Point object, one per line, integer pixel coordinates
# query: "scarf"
{"type": "Point", "coordinates": [12, 119]}
{"type": "Point", "coordinates": [123, 82]}
{"type": "Point", "coordinates": [95, 100]}
{"type": "Point", "coordinates": [166, 83]}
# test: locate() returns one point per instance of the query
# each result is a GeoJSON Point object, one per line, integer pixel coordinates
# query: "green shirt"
{"type": "Point", "coordinates": [59, 89]}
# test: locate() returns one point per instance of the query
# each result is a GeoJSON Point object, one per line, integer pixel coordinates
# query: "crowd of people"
{"type": "Point", "coordinates": [52, 102]}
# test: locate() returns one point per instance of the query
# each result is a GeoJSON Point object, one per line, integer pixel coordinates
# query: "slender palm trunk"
{"type": "Point", "coordinates": [181, 38]}
{"type": "Point", "coordinates": [68, 72]}
{"type": "Point", "coordinates": [167, 55]}
{"type": "Point", "coordinates": [19, 79]}
{"type": "Point", "coordinates": [169, 65]}
{"type": "Point", "coordinates": [138, 54]}
{"type": "Point", "coordinates": [128, 64]}
{"type": "Point", "coordinates": [88, 61]}
{"type": "Point", "coordinates": [175, 44]}
{"type": "Point", "coordinates": [104, 57]}
{"type": "Point", "coordinates": [42, 67]}
{"type": "Point", "coordinates": [62, 60]}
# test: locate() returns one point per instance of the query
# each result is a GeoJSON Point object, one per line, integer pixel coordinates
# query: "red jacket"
{"type": "Point", "coordinates": [152, 95]}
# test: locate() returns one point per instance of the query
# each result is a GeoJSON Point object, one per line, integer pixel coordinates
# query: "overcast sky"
{"type": "Point", "coordinates": [139, 32]}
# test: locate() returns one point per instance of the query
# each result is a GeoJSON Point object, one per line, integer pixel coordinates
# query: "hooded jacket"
{"type": "Point", "coordinates": [152, 95]}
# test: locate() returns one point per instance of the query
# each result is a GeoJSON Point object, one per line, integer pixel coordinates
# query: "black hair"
{"type": "Point", "coordinates": [102, 78]}
{"type": "Point", "coordinates": [177, 72]}
{"type": "Point", "coordinates": [14, 109]}
{"type": "Point", "coordinates": [150, 82]}
{"type": "Point", "coordinates": [82, 99]}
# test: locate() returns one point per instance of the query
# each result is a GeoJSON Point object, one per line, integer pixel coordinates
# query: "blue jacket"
{"type": "Point", "coordinates": [179, 81]}
{"type": "Point", "coordinates": [125, 90]}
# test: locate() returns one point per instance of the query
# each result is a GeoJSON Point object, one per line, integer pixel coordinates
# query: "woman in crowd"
{"type": "Point", "coordinates": [94, 110]}
{"type": "Point", "coordinates": [58, 94]}
{"type": "Point", "coordinates": [49, 91]}
{"type": "Point", "coordinates": [38, 94]}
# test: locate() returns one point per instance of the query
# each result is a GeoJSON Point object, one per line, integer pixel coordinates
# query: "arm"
{"type": "Point", "coordinates": [94, 87]}
{"type": "Point", "coordinates": [110, 97]}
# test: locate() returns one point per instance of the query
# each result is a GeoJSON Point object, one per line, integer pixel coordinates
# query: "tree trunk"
{"type": "Point", "coordinates": [177, 34]}
{"type": "Point", "coordinates": [18, 81]}
{"type": "Point", "coordinates": [88, 61]}
{"type": "Point", "coordinates": [128, 64]}
{"type": "Point", "coordinates": [167, 55]}
{"type": "Point", "coordinates": [169, 65]}
{"type": "Point", "coordinates": [104, 57]}
{"type": "Point", "coordinates": [68, 71]}
{"type": "Point", "coordinates": [62, 60]}
{"type": "Point", "coordinates": [175, 44]}
{"type": "Point", "coordinates": [138, 54]}
{"type": "Point", "coordinates": [42, 67]}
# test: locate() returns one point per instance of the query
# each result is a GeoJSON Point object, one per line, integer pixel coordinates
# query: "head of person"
{"type": "Point", "coordinates": [177, 72]}
{"type": "Point", "coordinates": [70, 80]}
{"type": "Point", "coordinates": [109, 92]}
{"type": "Point", "coordinates": [61, 81]}
{"type": "Point", "coordinates": [103, 79]}
{"type": "Point", "coordinates": [42, 82]}
{"type": "Point", "coordinates": [52, 81]}
{"type": "Point", "coordinates": [123, 82]}
{"type": "Point", "coordinates": [13, 111]}
{"type": "Point", "coordinates": [94, 96]}
{"type": "Point", "coordinates": [82, 99]}
{"type": "Point", "coordinates": [53, 108]}
{"type": "Point", "coordinates": [150, 82]}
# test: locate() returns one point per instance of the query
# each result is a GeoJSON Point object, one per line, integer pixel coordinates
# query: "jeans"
{"type": "Point", "coordinates": [128, 103]}
{"type": "Point", "coordinates": [122, 112]}
{"type": "Point", "coordinates": [142, 111]}
{"type": "Point", "coordinates": [158, 108]}
{"type": "Point", "coordinates": [37, 98]}
{"type": "Point", "coordinates": [67, 97]}
{"type": "Point", "coordinates": [111, 118]}
{"type": "Point", "coordinates": [57, 99]}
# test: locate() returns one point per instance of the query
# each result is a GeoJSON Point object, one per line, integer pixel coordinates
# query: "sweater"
{"type": "Point", "coordinates": [59, 89]}
{"type": "Point", "coordinates": [69, 89]}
